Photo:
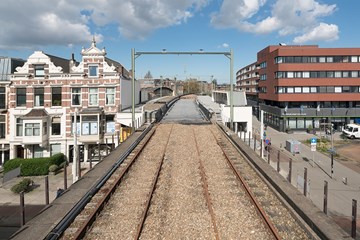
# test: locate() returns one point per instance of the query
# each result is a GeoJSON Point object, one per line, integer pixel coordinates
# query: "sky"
{"type": "Point", "coordinates": [63, 27]}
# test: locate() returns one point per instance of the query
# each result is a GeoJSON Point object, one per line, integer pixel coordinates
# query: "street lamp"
{"type": "Point", "coordinates": [75, 167]}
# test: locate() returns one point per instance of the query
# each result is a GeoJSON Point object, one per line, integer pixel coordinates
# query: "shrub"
{"type": "Point", "coordinates": [34, 166]}
{"type": "Point", "coordinates": [22, 186]}
{"type": "Point", "coordinates": [53, 168]}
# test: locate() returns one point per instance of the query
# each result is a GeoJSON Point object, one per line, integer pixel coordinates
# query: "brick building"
{"type": "Point", "coordinates": [302, 86]}
{"type": "Point", "coordinates": [49, 97]}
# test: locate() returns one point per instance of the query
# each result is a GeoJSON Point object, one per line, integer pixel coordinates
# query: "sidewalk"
{"type": "Point", "coordinates": [37, 195]}
{"type": "Point", "coordinates": [340, 195]}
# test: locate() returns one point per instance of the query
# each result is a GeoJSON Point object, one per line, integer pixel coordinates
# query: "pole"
{"type": "Point", "coordinates": [332, 164]}
{"type": "Point", "coordinates": [325, 196]}
{"type": "Point", "coordinates": [261, 129]}
{"type": "Point", "coordinates": [278, 162]}
{"type": "Point", "coordinates": [353, 218]}
{"type": "Point", "coordinates": [65, 176]}
{"type": "Point", "coordinates": [290, 170]}
{"type": "Point", "coordinates": [231, 88]}
{"type": "Point", "coordinates": [249, 137]}
{"type": "Point", "coordinates": [133, 90]}
{"type": "Point", "coordinates": [305, 181]}
{"type": "Point", "coordinates": [46, 190]}
{"type": "Point", "coordinates": [22, 209]}
{"type": "Point", "coordinates": [75, 164]}
{"type": "Point", "coordinates": [161, 81]}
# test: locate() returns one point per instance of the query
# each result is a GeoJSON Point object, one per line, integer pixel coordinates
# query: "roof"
{"type": "Point", "coordinates": [60, 62]}
{"type": "Point", "coordinates": [36, 113]}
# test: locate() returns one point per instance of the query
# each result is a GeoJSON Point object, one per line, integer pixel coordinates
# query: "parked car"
{"type": "Point", "coordinates": [352, 131]}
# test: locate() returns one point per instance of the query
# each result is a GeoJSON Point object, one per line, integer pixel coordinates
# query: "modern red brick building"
{"type": "Point", "coordinates": [302, 86]}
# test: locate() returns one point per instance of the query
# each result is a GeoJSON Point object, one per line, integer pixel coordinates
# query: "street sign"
{"type": "Point", "coordinates": [313, 148]}
{"type": "Point", "coordinates": [313, 141]}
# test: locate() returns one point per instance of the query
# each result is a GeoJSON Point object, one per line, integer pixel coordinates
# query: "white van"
{"type": "Point", "coordinates": [352, 131]}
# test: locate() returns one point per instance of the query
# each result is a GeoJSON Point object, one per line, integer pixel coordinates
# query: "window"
{"type": "Point", "coordinates": [313, 59]}
{"type": "Point", "coordinates": [298, 74]}
{"type": "Point", "coordinates": [306, 89]}
{"type": "Point", "coordinates": [338, 74]}
{"type": "Point", "coordinates": [290, 74]}
{"type": "Point", "coordinates": [110, 96]}
{"type": "Point", "coordinates": [330, 89]}
{"type": "Point", "coordinates": [322, 74]}
{"type": "Point", "coordinates": [21, 97]}
{"type": "Point", "coordinates": [263, 77]}
{"type": "Point", "coordinates": [263, 65]}
{"type": "Point", "coordinates": [297, 59]}
{"type": "Point", "coordinates": [297, 89]}
{"type": "Point", "coordinates": [354, 74]}
{"type": "Point", "coordinates": [2, 98]}
{"type": "Point", "coordinates": [39, 97]}
{"type": "Point", "coordinates": [322, 89]}
{"type": "Point", "coordinates": [19, 127]}
{"type": "Point", "coordinates": [322, 59]}
{"type": "Point", "coordinates": [354, 59]}
{"type": "Point", "coordinates": [354, 89]}
{"type": "Point", "coordinates": [89, 125]}
{"type": "Point", "coordinates": [314, 74]}
{"type": "Point", "coordinates": [345, 74]}
{"type": "Point", "coordinates": [329, 59]}
{"type": "Point", "coordinates": [346, 89]}
{"type": "Point", "coordinates": [278, 60]}
{"type": "Point", "coordinates": [32, 129]}
{"type": "Point", "coordinates": [279, 74]}
{"type": "Point", "coordinates": [2, 126]}
{"type": "Point", "coordinates": [93, 97]}
{"type": "Point", "coordinates": [338, 89]}
{"type": "Point", "coordinates": [93, 71]}
{"type": "Point", "coordinates": [110, 123]}
{"type": "Point", "coordinates": [55, 148]}
{"type": "Point", "coordinates": [75, 96]}
{"type": "Point", "coordinates": [306, 74]}
{"type": "Point", "coordinates": [56, 126]}
{"type": "Point", "coordinates": [290, 90]}
{"type": "Point", "coordinates": [37, 151]}
{"type": "Point", "coordinates": [56, 96]}
{"type": "Point", "coordinates": [313, 89]}
{"type": "Point", "coordinates": [39, 71]}
{"type": "Point", "coordinates": [330, 74]}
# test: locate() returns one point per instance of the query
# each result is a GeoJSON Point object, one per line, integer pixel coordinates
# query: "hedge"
{"type": "Point", "coordinates": [34, 166]}
{"type": "Point", "coordinates": [22, 186]}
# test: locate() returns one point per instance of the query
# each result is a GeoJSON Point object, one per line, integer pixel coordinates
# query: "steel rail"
{"type": "Point", "coordinates": [64, 223]}
{"type": "Point", "coordinates": [80, 233]}
{"type": "Point", "coordinates": [252, 197]}
{"type": "Point", "coordinates": [152, 190]}
{"type": "Point", "coordinates": [206, 189]}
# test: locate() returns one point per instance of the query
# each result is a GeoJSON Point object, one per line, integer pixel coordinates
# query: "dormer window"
{"type": "Point", "coordinates": [93, 71]}
{"type": "Point", "coordinates": [39, 70]}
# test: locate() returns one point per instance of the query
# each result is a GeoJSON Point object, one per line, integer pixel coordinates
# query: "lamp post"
{"type": "Point", "coordinates": [75, 169]}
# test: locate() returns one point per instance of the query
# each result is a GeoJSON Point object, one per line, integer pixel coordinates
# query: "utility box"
{"type": "Point", "coordinates": [293, 146]}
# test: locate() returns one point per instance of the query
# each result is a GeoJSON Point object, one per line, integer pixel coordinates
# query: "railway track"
{"type": "Point", "coordinates": [185, 181]}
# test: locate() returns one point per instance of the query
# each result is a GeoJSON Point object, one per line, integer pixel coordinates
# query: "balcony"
{"type": "Point", "coordinates": [35, 128]}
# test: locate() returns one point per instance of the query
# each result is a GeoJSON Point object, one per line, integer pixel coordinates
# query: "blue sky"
{"type": "Point", "coordinates": [63, 27]}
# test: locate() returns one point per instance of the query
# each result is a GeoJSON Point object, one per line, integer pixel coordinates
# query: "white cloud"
{"type": "Point", "coordinates": [323, 32]}
{"type": "Point", "coordinates": [287, 17]}
{"type": "Point", "coordinates": [33, 23]}
{"type": "Point", "coordinates": [224, 45]}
